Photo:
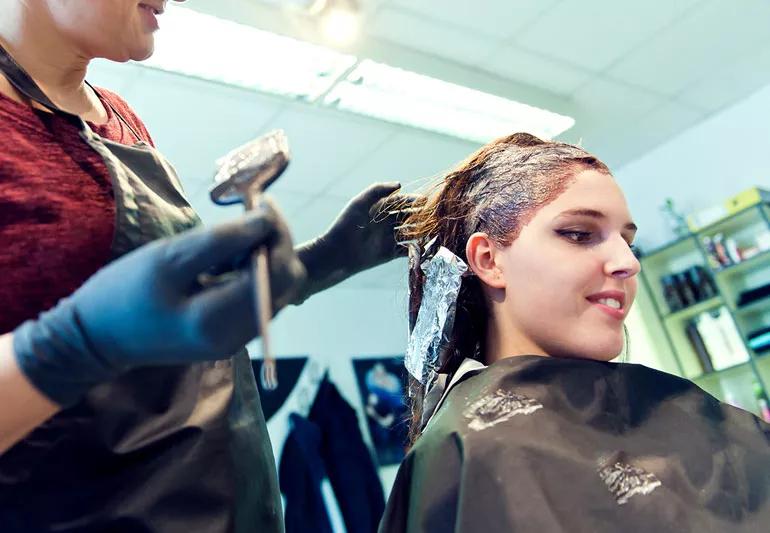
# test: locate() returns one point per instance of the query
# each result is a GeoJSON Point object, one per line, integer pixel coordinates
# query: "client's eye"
{"type": "Point", "coordinates": [576, 236]}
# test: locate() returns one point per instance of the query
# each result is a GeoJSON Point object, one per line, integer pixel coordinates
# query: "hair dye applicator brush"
{"type": "Point", "coordinates": [243, 176]}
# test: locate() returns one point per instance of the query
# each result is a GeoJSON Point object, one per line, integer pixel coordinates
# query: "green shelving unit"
{"type": "Point", "coordinates": [734, 383]}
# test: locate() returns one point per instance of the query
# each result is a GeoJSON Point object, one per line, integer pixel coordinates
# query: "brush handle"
{"type": "Point", "coordinates": [262, 298]}
{"type": "Point", "coordinates": [264, 312]}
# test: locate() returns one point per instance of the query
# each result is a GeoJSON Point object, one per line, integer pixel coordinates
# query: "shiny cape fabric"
{"type": "Point", "coordinates": [536, 444]}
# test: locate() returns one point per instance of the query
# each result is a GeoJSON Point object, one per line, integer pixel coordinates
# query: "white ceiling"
{"type": "Point", "coordinates": [633, 74]}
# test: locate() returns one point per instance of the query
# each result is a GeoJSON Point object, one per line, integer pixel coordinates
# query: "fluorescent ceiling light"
{"type": "Point", "coordinates": [341, 25]}
{"type": "Point", "coordinates": [405, 97]}
{"type": "Point", "coordinates": [215, 49]}
{"type": "Point", "coordinates": [211, 48]}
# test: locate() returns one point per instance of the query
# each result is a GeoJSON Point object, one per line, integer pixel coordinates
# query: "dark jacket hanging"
{"type": "Point", "coordinates": [300, 474]}
{"type": "Point", "coordinates": [352, 473]}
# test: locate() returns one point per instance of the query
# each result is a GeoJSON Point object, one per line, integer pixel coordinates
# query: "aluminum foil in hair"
{"type": "Point", "coordinates": [435, 318]}
{"type": "Point", "coordinates": [416, 278]}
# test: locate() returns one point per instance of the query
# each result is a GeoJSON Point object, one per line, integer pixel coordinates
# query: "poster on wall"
{"type": "Point", "coordinates": [381, 382]}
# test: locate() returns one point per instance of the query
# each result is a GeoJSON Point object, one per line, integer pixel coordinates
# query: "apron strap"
{"type": "Point", "coordinates": [116, 112]}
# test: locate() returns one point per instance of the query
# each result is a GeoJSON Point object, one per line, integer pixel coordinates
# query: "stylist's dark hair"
{"type": "Point", "coordinates": [497, 190]}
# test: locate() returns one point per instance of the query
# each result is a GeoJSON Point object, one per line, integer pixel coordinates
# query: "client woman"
{"type": "Point", "coordinates": [520, 422]}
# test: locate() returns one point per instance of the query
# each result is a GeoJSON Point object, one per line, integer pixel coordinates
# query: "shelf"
{"type": "Point", "coordinates": [719, 225]}
{"type": "Point", "coordinates": [689, 312]}
{"type": "Point", "coordinates": [736, 382]}
{"type": "Point", "coordinates": [725, 372]}
{"type": "Point", "coordinates": [738, 268]}
{"type": "Point", "coordinates": [753, 307]}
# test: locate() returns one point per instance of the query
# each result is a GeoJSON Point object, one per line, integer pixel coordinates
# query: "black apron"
{"type": "Point", "coordinates": [162, 449]}
{"type": "Point", "coordinates": [539, 444]}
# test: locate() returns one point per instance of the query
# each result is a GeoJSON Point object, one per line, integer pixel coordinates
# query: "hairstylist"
{"type": "Point", "coordinates": [129, 403]}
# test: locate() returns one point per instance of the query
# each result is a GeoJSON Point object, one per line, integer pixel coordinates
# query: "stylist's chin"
{"type": "Point", "coordinates": [151, 13]}
{"type": "Point", "coordinates": [133, 25]}
{"type": "Point", "coordinates": [148, 17]}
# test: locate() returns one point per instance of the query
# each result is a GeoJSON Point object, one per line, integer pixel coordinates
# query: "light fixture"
{"type": "Point", "coordinates": [340, 21]}
{"type": "Point", "coordinates": [404, 97]}
{"type": "Point", "coordinates": [212, 48]}
{"type": "Point", "coordinates": [311, 7]}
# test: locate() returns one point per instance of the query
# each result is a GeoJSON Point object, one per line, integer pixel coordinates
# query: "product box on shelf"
{"type": "Point", "coordinates": [709, 215]}
{"type": "Point", "coordinates": [746, 199]}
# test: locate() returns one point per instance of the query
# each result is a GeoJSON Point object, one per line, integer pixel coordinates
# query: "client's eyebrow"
{"type": "Point", "coordinates": [593, 213]}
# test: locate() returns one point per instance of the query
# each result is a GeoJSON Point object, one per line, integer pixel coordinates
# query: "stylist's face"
{"type": "Point", "coordinates": [119, 30]}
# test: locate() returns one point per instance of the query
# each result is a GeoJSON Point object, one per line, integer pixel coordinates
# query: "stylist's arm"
{"type": "Point", "coordinates": [148, 308]}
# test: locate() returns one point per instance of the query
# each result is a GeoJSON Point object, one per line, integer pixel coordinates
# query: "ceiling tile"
{"type": "Point", "coordinates": [731, 82]}
{"type": "Point", "coordinates": [535, 69]}
{"type": "Point", "coordinates": [287, 203]}
{"type": "Point", "coordinates": [324, 145]}
{"type": "Point", "coordinates": [606, 100]}
{"type": "Point", "coordinates": [649, 131]}
{"type": "Point", "coordinates": [595, 34]}
{"type": "Point", "coordinates": [316, 215]}
{"type": "Point", "coordinates": [180, 112]}
{"type": "Point", "coordinates": [392, 275]}
{"type": "Point", "coordinates": [411, 157]}
{"type": "Point", "coordinates": [429, 35]}
{"type": "Point", "coordinates": [716, 34]}
{"type": "Point", "coordinates": [669, 120]}
{"type": "Point", "coordinates": [497, 18]}
{"type": "Point", "coordinates": [608, 110]}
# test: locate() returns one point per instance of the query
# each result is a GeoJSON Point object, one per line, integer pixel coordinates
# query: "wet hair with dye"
{"type": "Point", "coordinates": [497, 190]}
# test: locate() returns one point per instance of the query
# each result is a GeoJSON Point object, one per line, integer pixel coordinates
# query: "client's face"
{"type": "Point", "coordinates": [570, 276]}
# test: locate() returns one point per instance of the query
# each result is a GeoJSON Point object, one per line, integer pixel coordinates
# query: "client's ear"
{"type": "Point", "coordinates": [482, 257]}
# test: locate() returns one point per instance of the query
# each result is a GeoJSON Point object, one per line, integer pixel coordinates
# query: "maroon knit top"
{"type": "Point", "coordinates": [56, 206]}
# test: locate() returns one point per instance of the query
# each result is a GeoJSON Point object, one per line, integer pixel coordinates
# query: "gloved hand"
{"type": "Point", "coordinates": [363, 236]}
{"type": "Point", "coordinates": [150, 308]}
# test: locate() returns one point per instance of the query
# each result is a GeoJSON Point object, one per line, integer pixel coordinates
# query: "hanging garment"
{"type": "Point", "coordinates": [300, 474]}
{"type": "Point", "coordinates": [289, 369]}
{"type": "Point", "coordinates": [162, 449]}
{"type": "Point", "coordinates": [537, 444]}
{"type": "Point", "coordinates": [349, 466]}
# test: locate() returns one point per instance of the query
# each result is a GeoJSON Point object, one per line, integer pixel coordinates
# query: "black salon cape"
{"type": "Point", "coordinates": [546, 445]}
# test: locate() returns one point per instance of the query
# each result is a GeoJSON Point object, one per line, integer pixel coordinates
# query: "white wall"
{"type": "Point", "coordinates": [700, 167]}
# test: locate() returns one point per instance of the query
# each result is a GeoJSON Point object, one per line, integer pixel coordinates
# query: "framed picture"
{"type": "Point", "coordinates": [382, 384]}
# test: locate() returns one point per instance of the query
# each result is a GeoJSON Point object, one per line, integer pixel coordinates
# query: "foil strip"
{"type": "Point", "coordinates": [435, 318]}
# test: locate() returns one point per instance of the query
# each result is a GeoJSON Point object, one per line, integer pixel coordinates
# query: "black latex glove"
{"type": "Point", "coordinates": [363, 236]}
{"type": "Point", "coordinates": [149, 307]}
